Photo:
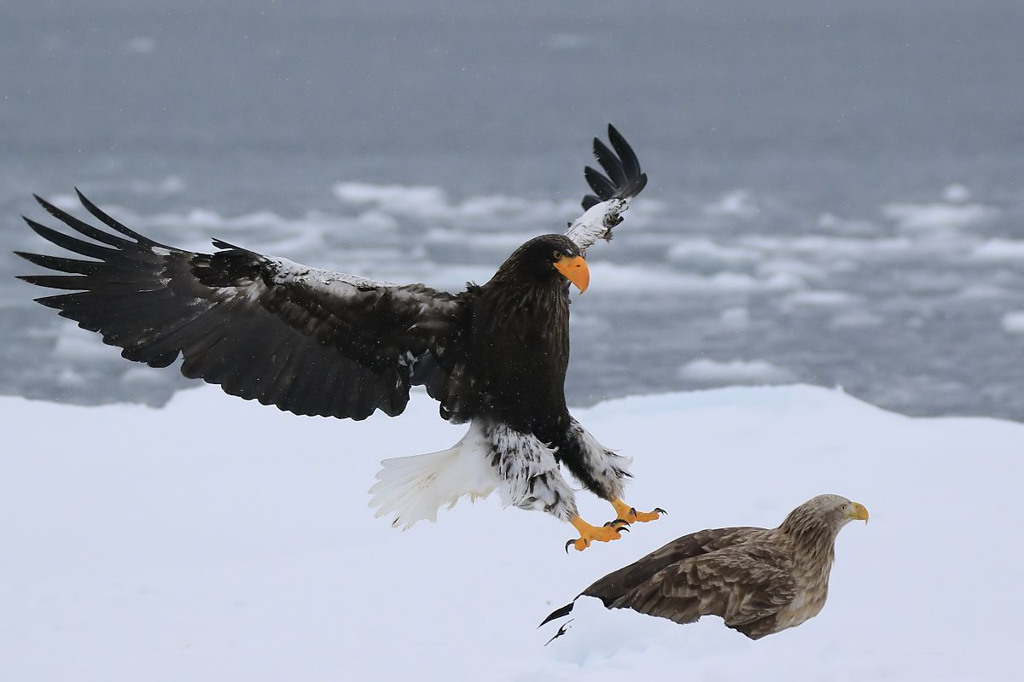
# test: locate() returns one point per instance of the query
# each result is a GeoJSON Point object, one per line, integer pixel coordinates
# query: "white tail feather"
{"type": "Point", "coordinates": [414, 488]}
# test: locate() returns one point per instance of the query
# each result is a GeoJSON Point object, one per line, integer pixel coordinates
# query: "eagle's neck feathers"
{"type": "Point", "coordinates": [813, 533]}
{"type": "Point", "coordinates": [813, 536]}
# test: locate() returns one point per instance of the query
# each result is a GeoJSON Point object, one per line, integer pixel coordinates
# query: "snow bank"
{"type": "Point", "coordinates": [938, 215]}
{"type": "Point", "coordinates": [711, 372]}
{"type": "Point", "coordinates": [1013, 323]}
{"type": "Point", "coordinates": [220, 540]}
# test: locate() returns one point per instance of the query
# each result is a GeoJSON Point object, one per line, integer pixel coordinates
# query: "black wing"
{"type": "Point", "coordinates": [623, 178]}
{"type": "Point", "coordinates": [622, 181]}
{"type": "Point", "coordinates": [309, 341]}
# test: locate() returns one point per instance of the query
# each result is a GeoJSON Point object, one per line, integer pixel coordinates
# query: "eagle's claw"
{"type": "Point", "coordinates": [588, 533]}
{"type": "Point", "coordinates": [631, 515]}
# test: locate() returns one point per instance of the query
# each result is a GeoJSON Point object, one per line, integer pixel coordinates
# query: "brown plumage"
{"type": "Point", "coordinates": [760, 581]}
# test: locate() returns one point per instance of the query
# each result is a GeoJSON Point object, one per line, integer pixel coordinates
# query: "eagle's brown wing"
{"type": "Point", "coordinates": [746, 585]}
{"type": "Point", "coordinates": [309, 341]}
{"type": "Point", "coordinates": [639, 575]}
{"type": "Point", "coordinates": [686, 547]}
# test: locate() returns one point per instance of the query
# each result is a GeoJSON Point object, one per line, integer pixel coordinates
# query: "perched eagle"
{"type": "Point", "coordinates": [759, 581]}
{"type": "Point", "coordinates": [316, 342]}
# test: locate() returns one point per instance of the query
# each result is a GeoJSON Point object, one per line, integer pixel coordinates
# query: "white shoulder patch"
{"type": "Point", "coordinates": [596, 223]}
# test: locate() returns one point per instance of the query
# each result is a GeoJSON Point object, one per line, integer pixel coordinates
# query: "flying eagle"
{"type": "Point", "coordinates": [316, 342]}
{"type": "Point", "coordinates": [760, 581]}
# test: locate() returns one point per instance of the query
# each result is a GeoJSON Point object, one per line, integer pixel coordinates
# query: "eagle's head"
{"type": "Point", "coordinates": [546, 260]}
{"type": "Point", "coordinates": [821, 517]}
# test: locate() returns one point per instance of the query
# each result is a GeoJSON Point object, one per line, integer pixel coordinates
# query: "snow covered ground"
{"type": "Point", "coordinates": [221, 540]}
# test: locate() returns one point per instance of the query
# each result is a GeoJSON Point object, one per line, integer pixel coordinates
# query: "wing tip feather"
{"type": "Point", "coordinates": [622, 177]}
{"type": "Point", "coordinates": [558, 613]}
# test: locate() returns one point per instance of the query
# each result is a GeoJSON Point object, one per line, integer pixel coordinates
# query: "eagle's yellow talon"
{"type": "Point", "coordinates": [589, 534]}
{"type": "Point", "coordinates": [631, 515]}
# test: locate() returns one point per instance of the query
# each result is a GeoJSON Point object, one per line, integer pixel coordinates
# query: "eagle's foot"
{"type": "Point", "coordinates": [588, 534]}
{"type": "Point", "coordinates": [631, 515]}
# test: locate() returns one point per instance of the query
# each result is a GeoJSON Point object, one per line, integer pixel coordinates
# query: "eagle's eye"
{"type": "Point", "coordinates": [557, 255]}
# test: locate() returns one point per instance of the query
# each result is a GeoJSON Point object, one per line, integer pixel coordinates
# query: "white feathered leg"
{"type": "Point", "coordinates": [601, 470]}
{"type": "Point", "coordinates": [529, 474]}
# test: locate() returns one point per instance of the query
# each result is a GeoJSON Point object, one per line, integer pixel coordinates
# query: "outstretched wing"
{"type": "Point", "coordinates": [622, 180]}
{"type": "Point", "coordinates": [309, 341]}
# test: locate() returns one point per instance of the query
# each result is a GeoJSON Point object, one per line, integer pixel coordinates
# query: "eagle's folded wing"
{"type": "Point", "coordinates": [744, 586]}
{"type": "Point", "coordinates": [309, 341]}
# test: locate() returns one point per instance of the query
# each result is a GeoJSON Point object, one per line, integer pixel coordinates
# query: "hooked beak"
{"type": "Point", "coordinates": [574, 269]}
{"type": "Point", "coordinates": [858, 512]}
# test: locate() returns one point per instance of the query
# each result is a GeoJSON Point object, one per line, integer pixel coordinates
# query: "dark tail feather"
{"type": "Point", "coordinates": [559, 613]}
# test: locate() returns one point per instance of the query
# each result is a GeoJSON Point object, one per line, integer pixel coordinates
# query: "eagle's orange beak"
{"type": "Point", "coordinates": [858, 512]}
{"type": "Point", "coordinates": [575, 269]}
